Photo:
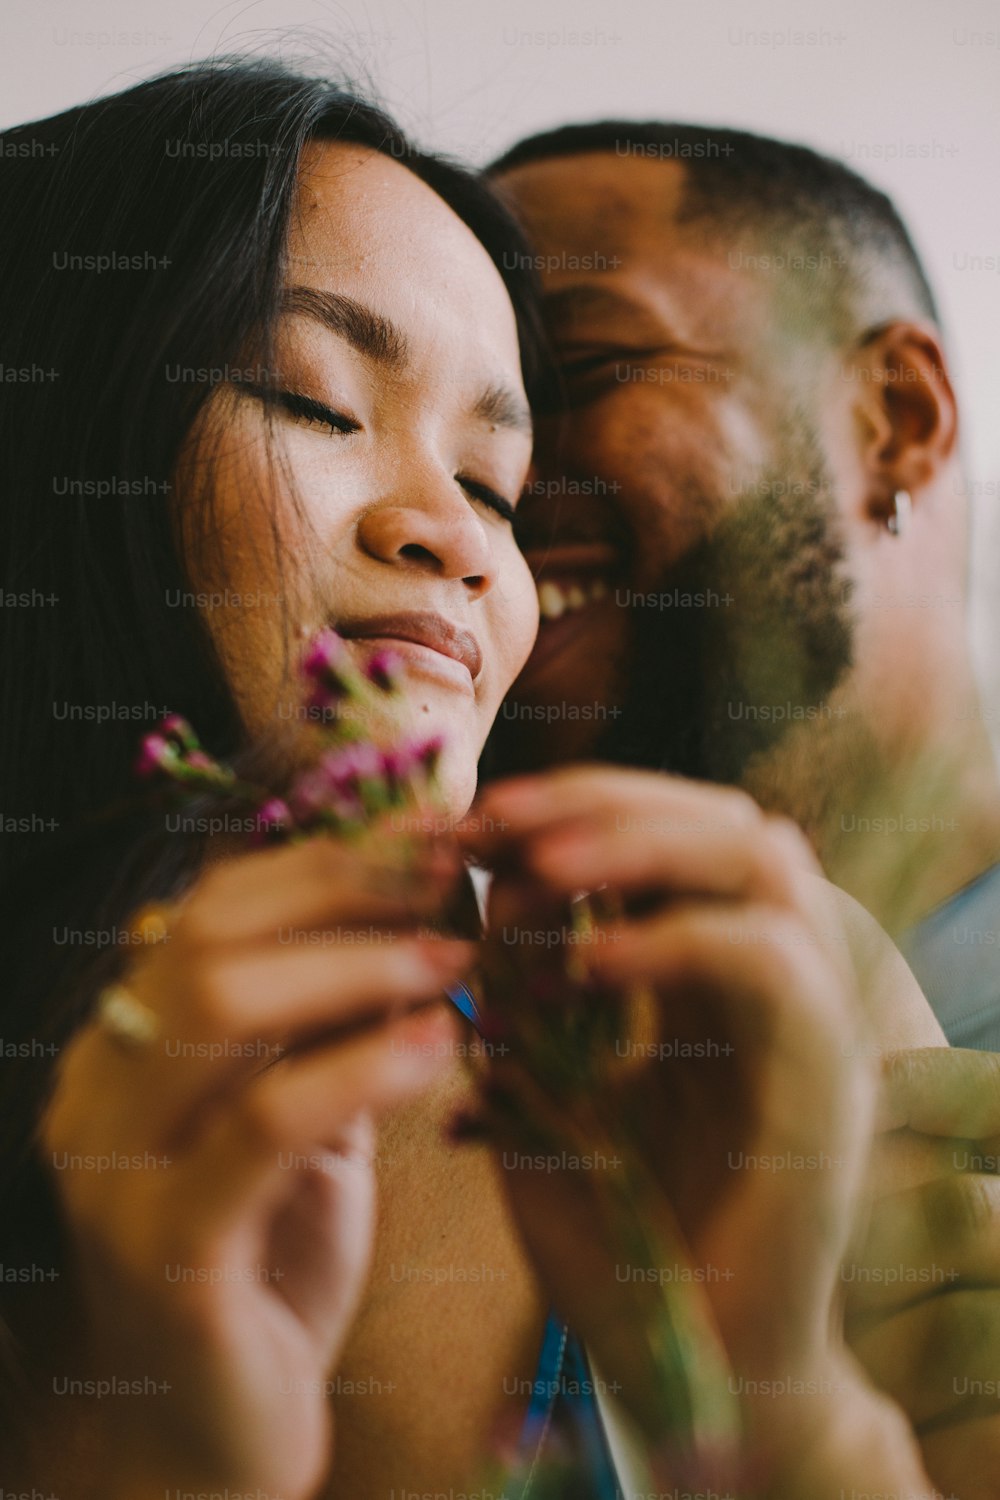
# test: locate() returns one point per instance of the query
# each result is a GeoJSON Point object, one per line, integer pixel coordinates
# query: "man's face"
{"type": "Point", "coordinates": [691, 406]}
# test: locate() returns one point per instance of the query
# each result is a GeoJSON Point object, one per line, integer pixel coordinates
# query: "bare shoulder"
{"type": "Point", "coordinates": [897, 1009]}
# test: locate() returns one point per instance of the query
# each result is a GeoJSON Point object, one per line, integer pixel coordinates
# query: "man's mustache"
{"type": "Point", "coordinates": [546, 520]}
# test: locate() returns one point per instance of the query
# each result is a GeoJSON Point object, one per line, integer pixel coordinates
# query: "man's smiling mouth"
{"type": "Point", "coordinates": [571, 576]}
{"type": "Point", "coordinates": [559, 598]}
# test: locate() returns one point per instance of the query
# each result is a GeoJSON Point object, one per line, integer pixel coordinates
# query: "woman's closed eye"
{"type": "Point", "coordinates": [317, 414]}
{"type": "Point", "coordinates": [307, 409]}
{"type": "Point", "coordinates": [491, 498]}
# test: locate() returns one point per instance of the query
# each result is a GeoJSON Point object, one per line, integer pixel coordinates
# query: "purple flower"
{"type": "Point", "coordinates": [428, 753]}
{"type": "Point", "coordinates": [385, 670]}
{"type": "Point", "coordinates": [308, 794]}
{"type": "Point", "coordinates": [326, 654]}
{"type": "Point", "coordinates": [359, 761]}
{"type": "Point", "coordinates": [179, 731]}
{"type": "Point", "coordinates": [396, 767]}
{"type": "Point", "coordinates": [401, 762]}
{"type": "Point", "coordinates": [156, 755]}
{"type": "Point", "coordinates": [322, 701]}
{"type": "Point", "coordinates": [276, 812]}
{"type": "Point", "coordinates": [274, 821]}
{"type": "Point", "coordinates": [314, 796]}
{"type": "Point", "coordinates": [327, 667]}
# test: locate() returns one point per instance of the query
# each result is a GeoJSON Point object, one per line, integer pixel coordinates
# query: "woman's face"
{"type": "Point", "coordinates": [399, 348]}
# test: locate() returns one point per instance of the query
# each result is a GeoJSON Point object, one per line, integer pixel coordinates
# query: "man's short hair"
{"type": "Point", "coordinates": [806, 211]}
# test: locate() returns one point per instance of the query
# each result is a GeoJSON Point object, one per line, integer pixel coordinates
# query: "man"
{"type": "Point", "coordinates": [749, 528]}
{"type": "Point", "coordinates": [750, 525]}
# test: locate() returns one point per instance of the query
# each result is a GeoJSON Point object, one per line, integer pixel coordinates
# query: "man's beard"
{"type": "Point", "coordinates": [748, 635]}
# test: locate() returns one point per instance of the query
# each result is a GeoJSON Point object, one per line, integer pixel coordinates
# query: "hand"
{"type": "Point", "coordinates": [749, 1113]}
{"type": "Point", "coordinates": [923, 1296]}
{"type": "Point", "coordinates": [224, 1274]}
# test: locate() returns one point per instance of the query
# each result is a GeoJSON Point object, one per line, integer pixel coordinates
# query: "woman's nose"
{"type": "Point", "coordinates": [434, 529]}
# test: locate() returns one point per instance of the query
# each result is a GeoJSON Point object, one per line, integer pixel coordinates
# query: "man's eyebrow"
{"type": "Point", "coordinates": [368, 331]}
{"type": "Point", "coordinates": [505, 408]}
{"type": "Point", "coordinates": [563, 307]}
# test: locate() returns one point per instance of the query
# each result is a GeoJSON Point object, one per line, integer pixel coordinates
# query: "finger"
{"type": "Point", "coordinates": [655, 805]}
{"type": "Point", "coordinates": [289, 991]}
{"type": "Point", "coordinates": [719, 864]}
{"type": "Point", "coordinates": [254, 1153]}
{"type": "Point", "coordinates": [787, 1014]}
{"type": "Point", "coordinates": [247, 1148]}
{"type": "Point", "coordinates": [659, 809]}
{"type": "Point", "coordinates": [238, 1017]}
{"type": "Point", "coordinates": [903, 1161]}
{"type": "Point", "coordinates": [665, 804]}
{"type": "Point", "coordinates": [317, 883]}
{"type": "Point", "coordinates": [937, 1356]}
{"type": "Point", "coordinates": [924, 1241]}
{"type": "Point", "coordinates": [738, 949]}
{"type": "Point", "coordinates": [761, 991]}
{"type": "Point", "coordinates": [943, 1091]}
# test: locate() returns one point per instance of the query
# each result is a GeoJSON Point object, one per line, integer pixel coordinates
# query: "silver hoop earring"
{"type": "Point", "coordinates": [902, 513]}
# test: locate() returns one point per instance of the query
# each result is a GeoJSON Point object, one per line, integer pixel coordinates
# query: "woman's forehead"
{"type": "Point", "coordinates": [367, 227]}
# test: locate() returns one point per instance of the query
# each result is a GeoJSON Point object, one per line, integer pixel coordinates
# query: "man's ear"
{"type": "Point", "coordinates": [906, 415]}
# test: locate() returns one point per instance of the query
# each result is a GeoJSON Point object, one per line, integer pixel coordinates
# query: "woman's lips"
{"type": "Point", "coordinates": [427, 643]}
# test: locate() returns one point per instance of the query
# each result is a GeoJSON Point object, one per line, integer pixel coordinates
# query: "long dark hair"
{"type": "Point", "coordinates": [142, 234]}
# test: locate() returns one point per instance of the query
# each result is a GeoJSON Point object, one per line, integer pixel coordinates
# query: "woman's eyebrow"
{"type": "Point", "coordinates": [502, 406]}
{"type": "Point", "coordinates": [379, 339]}
{"type": "Point", "coordinates": [371, 334]}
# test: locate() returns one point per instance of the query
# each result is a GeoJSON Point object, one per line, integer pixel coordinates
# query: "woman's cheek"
{"type": "Point", "coordinates": [514, 616]}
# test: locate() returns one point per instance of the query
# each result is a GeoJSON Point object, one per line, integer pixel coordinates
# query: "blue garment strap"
{"type": "Point", "coordinates": [585, 1415]}
{"type": "Point", "coordinates": [563, 1421]}
{"type": "Point", "coordinates": [545, 1385]}
{"type": "Point", "coordinates": [562, 1426]}
{"type": "Point", "coordinates": [954, 954]}
{"type": "Point", "coordinates": [461, 996]}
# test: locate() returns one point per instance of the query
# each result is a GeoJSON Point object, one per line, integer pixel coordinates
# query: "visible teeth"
{"type": "Point", "coordinates": [551, 602]}
{"type": "Point", "coordinates": [554, 599]}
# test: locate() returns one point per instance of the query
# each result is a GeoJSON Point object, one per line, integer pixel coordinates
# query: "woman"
{"type": "Point", "coordinates": [273, 381]}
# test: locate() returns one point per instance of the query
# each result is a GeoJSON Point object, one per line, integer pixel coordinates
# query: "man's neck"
{"type": "Point", "coordinates": [902, 834]}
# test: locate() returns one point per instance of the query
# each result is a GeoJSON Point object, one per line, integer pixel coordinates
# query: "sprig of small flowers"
{"type": "Point", "coordinates": [352, 782]}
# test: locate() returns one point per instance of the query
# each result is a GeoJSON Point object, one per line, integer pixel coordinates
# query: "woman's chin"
{"type": "Point", "coordinates": [456, 784]}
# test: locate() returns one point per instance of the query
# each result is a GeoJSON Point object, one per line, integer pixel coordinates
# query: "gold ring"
{"type": "Point", "coordinates": [151, 923]}
{"type": "Point", "coordinates": [126, 1018]}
